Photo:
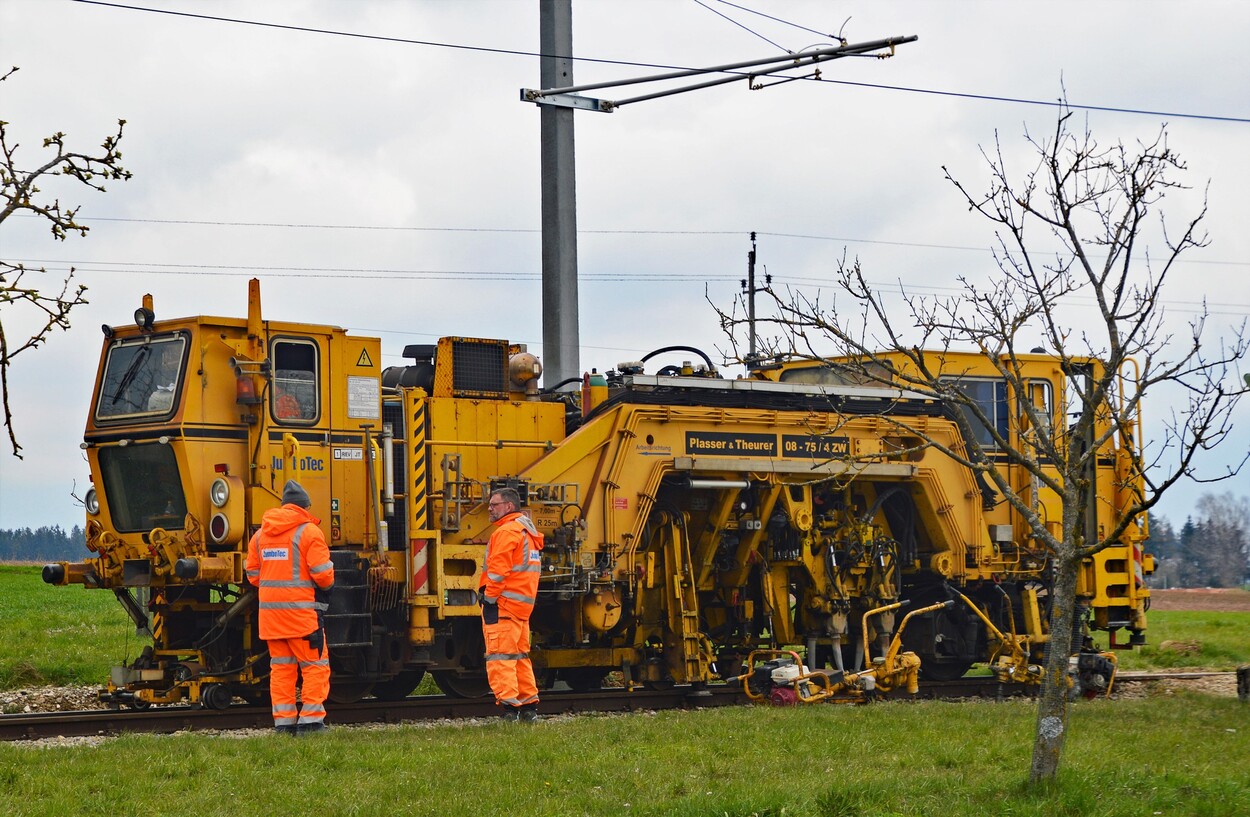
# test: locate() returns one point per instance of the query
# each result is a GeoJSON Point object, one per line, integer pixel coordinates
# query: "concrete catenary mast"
{"type": "Point", "coordinates": [559, 195]}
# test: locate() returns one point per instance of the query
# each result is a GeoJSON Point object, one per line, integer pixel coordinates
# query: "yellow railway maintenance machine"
{"type": "Point", "coordinates": [690, 520]}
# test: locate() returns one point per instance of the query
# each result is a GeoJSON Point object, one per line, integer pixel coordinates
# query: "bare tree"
{"type": "Point", "coordinates": [1092, 204]}
{"type": "Point", "coordinates": [1223, 544]}
{"type": "Point", "coordinates": [19, 191]}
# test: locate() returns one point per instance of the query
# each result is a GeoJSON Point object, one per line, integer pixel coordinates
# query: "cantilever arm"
{"type": "Point", "coordinates": [568, 96]}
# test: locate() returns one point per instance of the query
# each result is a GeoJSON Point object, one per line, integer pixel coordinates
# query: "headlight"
{"type": "Point", "coordinates": [92, 502]}
{"type": "Point", "coordinates": [219, 493]}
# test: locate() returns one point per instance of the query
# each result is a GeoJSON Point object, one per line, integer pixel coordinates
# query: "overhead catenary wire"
{"type": "Point", "coordinates": [778, 19]}
{"type": "Point", "coordinates": [742, 26]}
{"type": "Point", "coordinates": [581, 231]}
{"type": "Point", "coordinates": [364, 273]}
{"type": "Point", "coordinates": [487, 275]}
{"type": "Point", "coordinates": [887, 288]}
{"type": "Point", "coordinates": [635, 64]}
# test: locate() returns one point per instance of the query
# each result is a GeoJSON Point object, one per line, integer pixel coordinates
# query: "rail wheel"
{"type": "Point", "coordinates": [461, 686]}
{"type": "Point", "coordinates": [349, 673]}
{"type": "Point", "coordinates": [349, 692]}
{"type": "Point", "coordinates": [399, 687]}
{"type": "Point", "coordinates": [660, 685]}
{"type": "Point", "coordinates": [583, 679]}
{"type": "Point", "coordinates": [729, 664]}
{"type": "Point", "coordinates": [215, 696]}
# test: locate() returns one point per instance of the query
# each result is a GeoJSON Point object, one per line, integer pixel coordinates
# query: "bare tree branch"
{"type": "Point", "coordinates": [19, 191]}
{"type": "Point", "coordinates": [1071, 229]}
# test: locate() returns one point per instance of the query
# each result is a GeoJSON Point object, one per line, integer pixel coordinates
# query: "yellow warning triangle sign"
{"type": "Point", "coordinates": [364, 359]}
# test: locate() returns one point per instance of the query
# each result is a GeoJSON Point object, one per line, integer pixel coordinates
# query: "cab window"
{"type": "Point", "coordinates": [293, 397]}
{"type": "Point", "coordinates": [142, 378]}
{"type": "Point", "coordinates": [990, 395]}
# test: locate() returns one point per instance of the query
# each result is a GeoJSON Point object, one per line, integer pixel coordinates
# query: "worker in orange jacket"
{"type": "Point", "coordinates": [507, 589]}
{"type": "Point", "coordinates": [288, 561]}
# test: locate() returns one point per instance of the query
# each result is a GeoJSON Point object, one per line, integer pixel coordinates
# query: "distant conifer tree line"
{"type": "Point", "coordinates": [1211, 549]}
{"type": "Point", "coordinates": [46, 544]}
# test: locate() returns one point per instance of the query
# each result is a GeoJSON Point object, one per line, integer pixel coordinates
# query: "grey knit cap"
{"type": "Point", "coordinates": [294, 494]}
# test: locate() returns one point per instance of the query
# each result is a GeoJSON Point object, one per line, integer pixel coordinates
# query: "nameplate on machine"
{"type": "Point", "coordinates": [811, 445]}
{"type": "Point", "coordinates": [739, 445]}
{"type": "Point", "coordinates": [798, 446]}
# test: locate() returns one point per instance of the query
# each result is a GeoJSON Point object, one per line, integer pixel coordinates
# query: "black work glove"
{"type": "Point", "coordinates": [322, 594]}
{"type": "Point", "coordinates": [490, 612]}
{"type": "Point", "coordinates": [317, 640]}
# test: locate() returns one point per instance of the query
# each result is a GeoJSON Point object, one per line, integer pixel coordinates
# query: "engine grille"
{"type": "Point", "coordinates": [479, 368]}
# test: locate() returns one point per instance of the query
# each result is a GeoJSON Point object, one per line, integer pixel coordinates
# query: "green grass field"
{"type": "Point", "coordinates": [1174, 754]}
{"type": "Point", "coordinates": [1223, 639]}
{"type": "Point", "coordinates": [58, 635]}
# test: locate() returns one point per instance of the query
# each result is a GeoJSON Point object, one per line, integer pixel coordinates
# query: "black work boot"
{"type": "Point", "coordinates": [285, 729]}
{"type": "Point", "coordinates": [529, 713]}
{"type": "Point", "coordinates": [313, 728]}
{"type": "Point", "coordinates": [510, 713]}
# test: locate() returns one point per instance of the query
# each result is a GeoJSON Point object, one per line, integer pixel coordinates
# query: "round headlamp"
{"type": "Point", "coordinates": [219, 492]}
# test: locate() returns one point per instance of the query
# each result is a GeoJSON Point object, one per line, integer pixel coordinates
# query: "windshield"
{"type": "Point", "coordinates": [142, 487]}
{"type": "Point", "coordinates": [141, 378]}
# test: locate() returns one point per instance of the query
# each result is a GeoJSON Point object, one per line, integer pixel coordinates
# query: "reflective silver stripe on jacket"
{"type": "Point", "coordinates": [296, 556]}
{"type": "Point", "coordinates": [295, 582]}
{"type": "Point", "coordinates": [294, 605]}
{"type": "Point", "coordinates": [515, 596]}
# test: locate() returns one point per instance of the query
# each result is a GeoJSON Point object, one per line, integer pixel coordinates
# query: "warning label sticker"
{"type": "Point", "coordinates": [364, 397]}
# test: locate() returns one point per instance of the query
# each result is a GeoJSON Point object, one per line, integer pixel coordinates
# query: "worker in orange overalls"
{"type": "Point", "coordinates": [507, 589]}
{"type": "Point", "coordinates": [289, 562]}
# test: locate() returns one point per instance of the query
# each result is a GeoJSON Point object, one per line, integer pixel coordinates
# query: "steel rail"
{"type": "Point", "coordinates": [167, 720]}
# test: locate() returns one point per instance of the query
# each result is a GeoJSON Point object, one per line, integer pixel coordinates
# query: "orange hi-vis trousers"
{"type": "Point", "coordinates": [508, 666]}
{"type": "Point", "coordinates": [288, 659]}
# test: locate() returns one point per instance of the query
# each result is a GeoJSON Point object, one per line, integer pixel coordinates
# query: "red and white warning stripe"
{"type": "Point", "coordinates": [420, 566]}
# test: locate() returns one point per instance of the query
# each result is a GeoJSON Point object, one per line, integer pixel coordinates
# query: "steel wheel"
{"type": "Point", "coordinates": [461, 686]}
{"type": "Point", "coordinates": [399, 687]}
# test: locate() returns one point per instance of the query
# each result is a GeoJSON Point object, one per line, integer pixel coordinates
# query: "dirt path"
{"type": "Point", "coordinates": [1201, 599]}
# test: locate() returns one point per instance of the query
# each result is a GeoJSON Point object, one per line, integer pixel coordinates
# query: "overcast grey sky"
{"type": "Point", "coordinates": [418, 169]}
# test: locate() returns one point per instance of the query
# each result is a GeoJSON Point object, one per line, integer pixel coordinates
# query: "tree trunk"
{"type": "Point", "coordinates": [1052, 703]}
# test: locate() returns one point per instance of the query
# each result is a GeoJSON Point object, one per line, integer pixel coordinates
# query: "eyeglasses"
{"type": "Point", "coordinates": [495, 504]}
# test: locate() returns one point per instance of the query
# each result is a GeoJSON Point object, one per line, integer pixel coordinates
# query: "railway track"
{"type": "Point", "coordinates": [89, 723]}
